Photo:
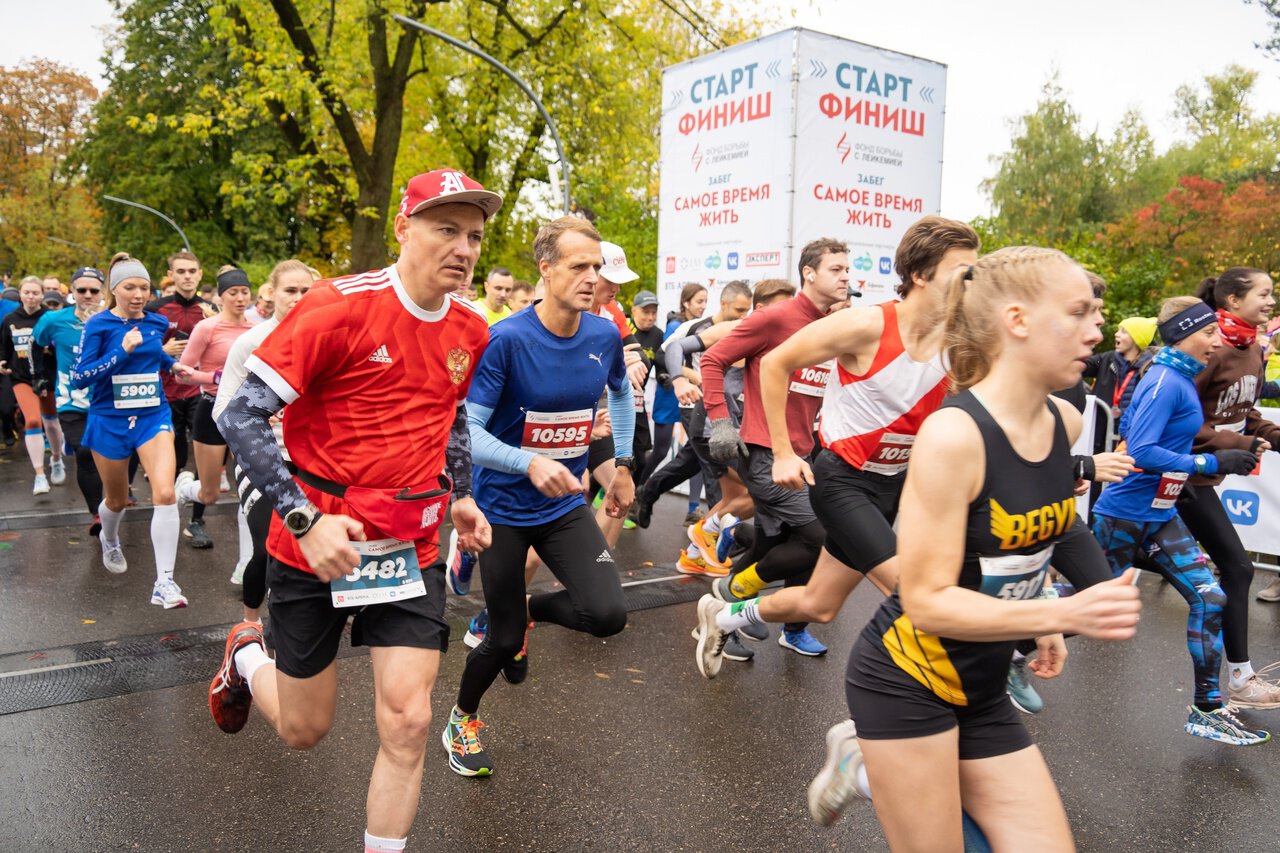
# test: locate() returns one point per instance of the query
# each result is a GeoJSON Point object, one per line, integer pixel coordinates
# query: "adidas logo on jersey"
{"type": "Point", "coordinates": [604, 557]}
{"type": "Point", "coordinates": [381, 355]}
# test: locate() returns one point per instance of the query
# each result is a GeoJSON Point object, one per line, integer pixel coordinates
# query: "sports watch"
{"type": "Point", "coordinates": [300, 520]}
{"type": "Point", "coordinates": [628, 462]}
{"type": "Point", "coordinates": [1201, 462]}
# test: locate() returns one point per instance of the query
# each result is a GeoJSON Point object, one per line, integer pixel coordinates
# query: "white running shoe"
{"type": "Point", "coordinates": [58, 472]}
{"type": "Point", "coordinates": [167, 594]}
{"type": "Point", "coordinates": [113, 556]}
{"type": "Point", "coordinates": [237, 577]}
{"type": "Point", "coordinates": [836, 785]}
{"type": "Point", "coordinates": [711, 639]}
{"type": "Point", "coordinates": [184, 477]}
{"type": "Point", "coordinates": [41, 486]}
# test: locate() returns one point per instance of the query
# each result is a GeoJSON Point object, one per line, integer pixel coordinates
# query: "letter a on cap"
{"type": "Point", "coordinates": [451, 182]}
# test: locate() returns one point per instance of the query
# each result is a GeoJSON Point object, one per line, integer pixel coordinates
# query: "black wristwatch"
{"type": "Point", "coordinates": [628, 462]}
{"type": "Point", "coordinates": [299, 521]}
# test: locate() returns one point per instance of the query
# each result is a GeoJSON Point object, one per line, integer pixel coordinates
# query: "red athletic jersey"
{"type": "Point", "coordinates": [372, 383]}
{"type": "Point", "coordinates": [612, 311]}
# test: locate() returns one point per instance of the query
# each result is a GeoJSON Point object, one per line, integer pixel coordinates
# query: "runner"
{"type": "Point", "coordinates": [289, 280]}
{"type": "Point", "coordinates": [644, 325]}
{"type": "Point", "coordinates": [374, 369]}
{"type": "Point", "coordinates": [184, 309]}
{"type": "Point", "coordinates": [39, 411]}
{"type": "Point", "coordinates": [205, 353]}
{"type": "Point", "coordinates": [1138, 515]}
{"type": "Point", "coordinates": [531, 410]}
{"type": "Point", "coordinates": [791, 534]}
{"type": "Point", "coordinates": [926, 678]}
{"type": "Point", "coordinates": [521, 296]}
{"type": "Point", "coordinates": [61, 331]}
{"type": "Point", "coordinates": [889, 377]}
{"type": "Point", "coordinates": [497, 290]}
{"type": "Point", "coordinates": [121, 359]}
{"type": "Point", "coordinates": [1229, 388]}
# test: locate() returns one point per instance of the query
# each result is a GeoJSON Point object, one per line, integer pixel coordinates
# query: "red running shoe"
{"type": "Point", "coordinates": [229, 696]}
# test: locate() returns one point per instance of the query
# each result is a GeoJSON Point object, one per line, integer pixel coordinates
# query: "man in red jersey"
{"type": "Point", "coordinates": [374, 369]}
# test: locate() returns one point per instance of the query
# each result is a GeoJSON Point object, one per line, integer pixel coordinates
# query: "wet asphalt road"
{"type": "Point", "coordinates": [612, 744]}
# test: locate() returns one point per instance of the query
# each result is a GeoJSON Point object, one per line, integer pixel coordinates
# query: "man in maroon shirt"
{"type": "Point", "coordinates": [792, 535]}
{"type": "Point", "coordinates": [183, 309]}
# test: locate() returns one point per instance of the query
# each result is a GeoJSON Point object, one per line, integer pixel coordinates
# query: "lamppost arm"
{"type": "Point", "coordinates": [174, 225]}
{"type": "Point", "coordinates": [474, 51]}
{"type": "Point", "coordinates": [92, 254]}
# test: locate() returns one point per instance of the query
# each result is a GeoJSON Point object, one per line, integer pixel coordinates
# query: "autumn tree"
{"type": "Point", "coordinates": [44, 111]}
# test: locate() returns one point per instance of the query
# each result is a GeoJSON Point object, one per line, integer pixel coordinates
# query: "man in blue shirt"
{"type": "Point", "coordinates": [531, 407]}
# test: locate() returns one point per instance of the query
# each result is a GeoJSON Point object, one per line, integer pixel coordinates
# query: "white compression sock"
{"type": "Point", "coordinates": [864, 786]}
{"type": "Point", "coordinates": [164, 539]}
{"type": "Point", "coordinates": [1239, 673]}
{"type": "Point", "coordinates": [246, 538]}
{"type": "Point", "coordinates": [249, 659]}
{"type": "Point", "coordinates": [57, 443]}
{"type": "Point", "coordinates": [739, 614]}
{"type": "Point", "coordinates": [711, 524]}
{"type": "Point", "coordinates": [35, 447]}
{"type": "Point", "coordinates": [110, 523]}
{"type": "Point", "coordinates": [191, 492]}
{"type": "Point", "coordinates": [693, 551]}
{"type": "Point", "coordinates": [374, 844]}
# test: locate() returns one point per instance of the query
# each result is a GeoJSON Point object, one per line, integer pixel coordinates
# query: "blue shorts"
{"type": "Point", "coordinates": [118, 436]}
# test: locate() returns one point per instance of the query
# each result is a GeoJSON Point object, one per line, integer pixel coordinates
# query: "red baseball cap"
{"type": "Point", "coordinates": [447, 186]}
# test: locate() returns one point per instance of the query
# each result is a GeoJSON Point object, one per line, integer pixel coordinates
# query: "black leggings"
{"type": "Point", "coordinates": [73, 424]}
{"type": "Point", "coordinates": [258, 516]}
{"type": "Point", "coordinates": [788, 557]}
{"type": "Point", "coordinates": [575, 551]}
{"type": "Point", "coordinates": [1202, 512]}
{"type": "Point", "coordinates": [662, 435]}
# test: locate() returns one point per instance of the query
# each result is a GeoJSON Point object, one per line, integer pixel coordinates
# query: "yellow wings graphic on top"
{"type": "Point", "coordinates": [1002, 525]}
{"type": "Point", "coordinates": [1021, 530]}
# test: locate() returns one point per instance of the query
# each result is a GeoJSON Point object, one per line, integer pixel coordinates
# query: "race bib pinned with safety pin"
{"type": "Point", "coordinates": [388, 571]}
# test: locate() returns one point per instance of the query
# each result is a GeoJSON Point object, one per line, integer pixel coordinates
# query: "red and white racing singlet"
{"type": "Point", "coordinates": [557, 435]}
{"type": "Point", "coordinates": [871, 420]}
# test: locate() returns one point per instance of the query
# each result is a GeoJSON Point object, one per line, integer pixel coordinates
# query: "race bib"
{"type": "Point", "coordinates": [388, 571]}
{"type": "Point", "coordinates": [22, 342]}
{"type": "Point", "coordinates": [1170, 487]}
{"type": "Point", "coordinates": [135, 390]}
{"type": "Point", "coordinates": [557, 435]}
{"type": "Point", "coordinates": [1014, 577]}
{"type": "Point", "coordinates": [891, 454]}
{"type": "Point", "coordinates": [811, 381]}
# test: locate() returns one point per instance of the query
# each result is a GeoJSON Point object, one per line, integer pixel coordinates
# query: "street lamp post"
{"type": "Point", "coordinates": [524, 87]}
{"type": "Point", "coordinates": [185, 242]}
{"type": "Point", "coordinates": [93, 256]}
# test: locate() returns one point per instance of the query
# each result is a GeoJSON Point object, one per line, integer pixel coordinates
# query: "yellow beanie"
{"type": "Point", "coordinates": [1141, 329]}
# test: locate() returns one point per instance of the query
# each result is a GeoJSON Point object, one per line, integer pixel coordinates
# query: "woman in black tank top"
{"type": "Point", "coordinates": [988, 492]}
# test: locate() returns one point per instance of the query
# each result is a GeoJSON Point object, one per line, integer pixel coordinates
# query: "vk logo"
{"type": "Point", "coordinates": [1242, 507]}
{"type": "Point", "coordinates": [886, 266]}
{"type": "Point", "coordinates": [731, 261]}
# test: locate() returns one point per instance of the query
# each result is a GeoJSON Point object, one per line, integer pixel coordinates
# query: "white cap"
{"type": "Point", "coordinates": [615, 267]}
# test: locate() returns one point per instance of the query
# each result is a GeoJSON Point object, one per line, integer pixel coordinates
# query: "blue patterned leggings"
{"type": "Point", "coordinates": [1174, 551]}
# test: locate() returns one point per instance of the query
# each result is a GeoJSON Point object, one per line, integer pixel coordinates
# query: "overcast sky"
{"type": "Point", "coordinates": [1110, 54]}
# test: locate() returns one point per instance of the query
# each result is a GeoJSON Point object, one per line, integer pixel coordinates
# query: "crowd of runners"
{"type": "Point", "coordinates": [392, 433]}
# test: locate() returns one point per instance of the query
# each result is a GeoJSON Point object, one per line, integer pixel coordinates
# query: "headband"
{"type": "Point", "coordinates": [1187, 322]}
{"type": "Point", "coordinates": [128, 268]}
{"type": "Point", "coordinates": [232, 278]}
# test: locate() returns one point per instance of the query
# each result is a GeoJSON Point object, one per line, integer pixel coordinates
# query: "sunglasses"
{"type": "Point", "coordinates": [88, 290]}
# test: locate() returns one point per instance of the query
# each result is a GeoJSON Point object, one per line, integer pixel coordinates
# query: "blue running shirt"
{"type": "Point", "coordinates": [542, 390]}
{"type": "Point", "coordinates": [122, 384]}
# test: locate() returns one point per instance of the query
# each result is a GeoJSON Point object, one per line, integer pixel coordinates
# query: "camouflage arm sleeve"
{"type": "Point", "coordinates": [457, 454]}
{"type": "Point", "coordinates": [246, 426]}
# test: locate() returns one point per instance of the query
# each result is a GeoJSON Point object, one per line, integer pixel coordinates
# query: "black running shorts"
{"type": "Point", "coordinates": [857, 510]}
{"type": "Point", "coordinates": [894, 710]}
{"type": "Point", "coordinates": [306, 628]}
{"type": "Point", "coordinates": [203, 428]}
{"type": "Point", "coordinates": [775, 506]}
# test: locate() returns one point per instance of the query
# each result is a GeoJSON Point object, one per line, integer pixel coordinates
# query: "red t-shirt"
{"type": "Point", "coordinates": [373, 383]}
{"type": "Point", "coordinates": [612, 311]}
{"type": "Point", "coordinates": [753, 339]}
